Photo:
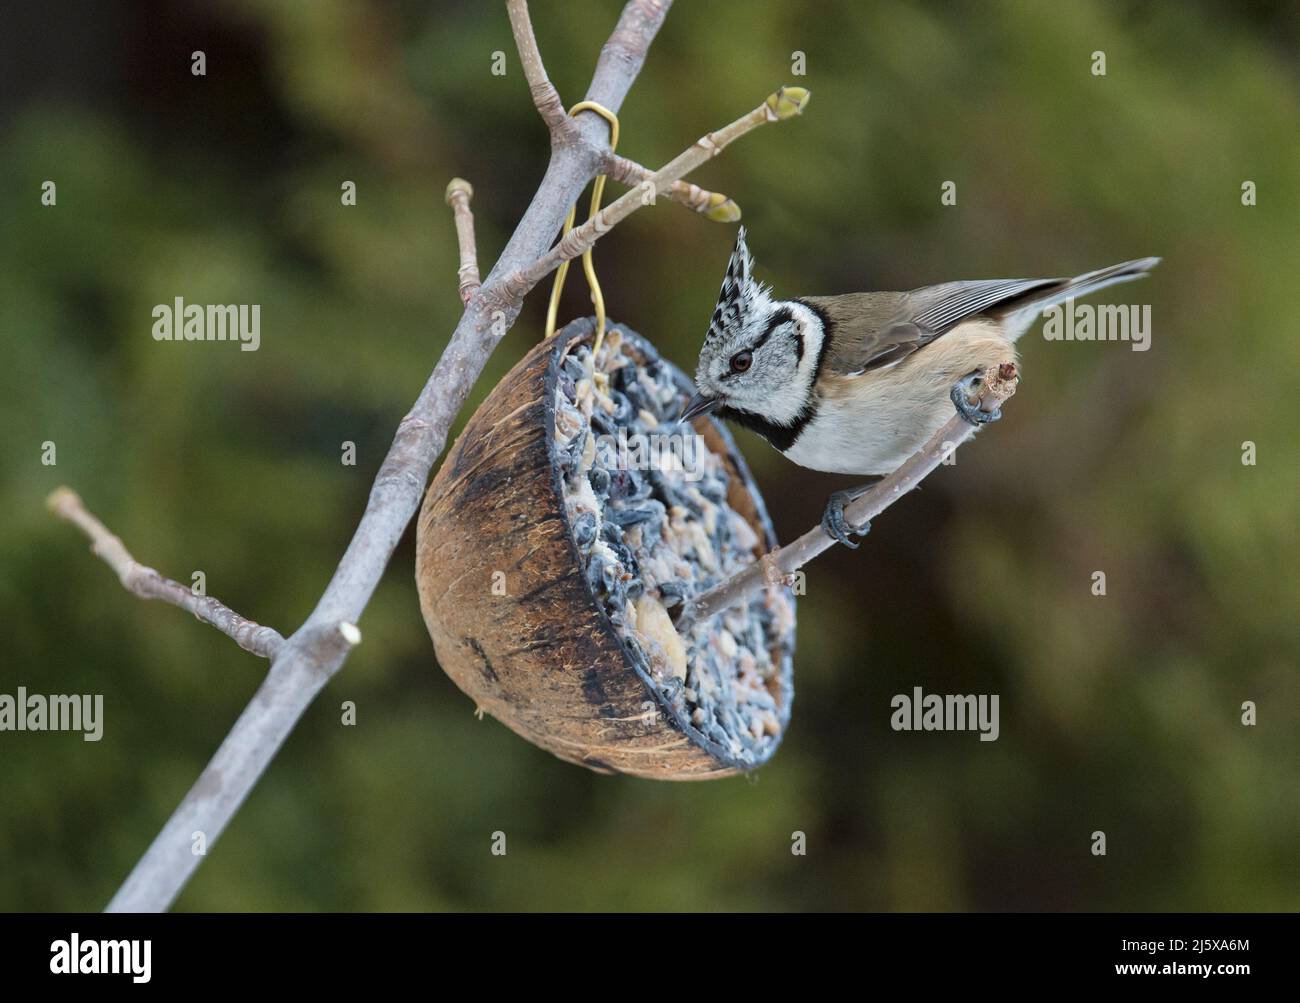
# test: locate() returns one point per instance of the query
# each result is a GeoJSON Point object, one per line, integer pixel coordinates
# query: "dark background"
{"type": "Point", "coordinates": [1118, 713]}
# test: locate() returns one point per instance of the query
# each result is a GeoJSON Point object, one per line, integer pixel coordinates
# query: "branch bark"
{"type": "Point", "coordinates": [147, 583]}
{"type": "Point", "coordinates": [307, 659]}
{"type": "Point", "coordinates": [774, 568]}
{"type": "Point", "coordinates": [781, 104]}
{"type": "Point", "coordinates": [545, 96]}
{"type": "Point", "coordinates": [459, 192]}
{"type": "Point", "coordinates": [713, 205]}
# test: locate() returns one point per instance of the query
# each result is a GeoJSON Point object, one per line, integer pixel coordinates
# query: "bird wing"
{"type": "Point", "coordinates": [879, 330]}
{"type": "Point", "coordinates": [941, 308]}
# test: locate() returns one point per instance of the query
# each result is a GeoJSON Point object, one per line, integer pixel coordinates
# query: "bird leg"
{"type": "Point", "coordinates": [966, 398]}
{"type": "Point", "coordinates": [833, 521]}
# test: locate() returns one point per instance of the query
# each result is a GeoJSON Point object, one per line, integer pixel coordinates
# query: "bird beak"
{"type": "Point", "coordinates": [699, 404]}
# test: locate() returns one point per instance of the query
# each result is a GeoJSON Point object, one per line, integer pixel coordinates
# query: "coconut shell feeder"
{"type": "Point", "coordinates": [538, 626]}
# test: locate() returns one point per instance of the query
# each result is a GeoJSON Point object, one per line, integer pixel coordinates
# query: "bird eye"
{"type": "Point", "coordinates": [741, 361]}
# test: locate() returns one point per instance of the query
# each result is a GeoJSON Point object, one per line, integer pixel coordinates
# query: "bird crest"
{"type": "Point", "coordinates": [741, 296]}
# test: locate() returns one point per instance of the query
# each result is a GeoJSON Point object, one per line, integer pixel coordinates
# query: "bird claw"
{"type": "Point", "coordinates": [962, 392]}
{"type": "Point", "coordinates": [834, 523]}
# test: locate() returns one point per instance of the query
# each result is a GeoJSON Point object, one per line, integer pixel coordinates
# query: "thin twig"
{"type": "Point", "coordinates": [545, 96]}
{"type": "Point", "coordinates": [147, 583]}
{"type": "Point", "coordinates": [782, 104]}
{"type": "Point", "coordinates": [775, 567]}
{"type": "Point", "coordinates": [713, 205]}
{"type": "Point", "coordinates": [459, 192]}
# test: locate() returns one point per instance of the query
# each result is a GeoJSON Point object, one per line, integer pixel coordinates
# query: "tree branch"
{"type": "Point", "coordinates": [459, 192]}
{"type": "Point", "coordinates": [774, 568]}
{"type": "Point", "coordinates": [316, 651]}
{"type": "Point", "coordinates": [713, 205]}
{"type": "Point", "coordinates": [545, 96]}
{"type": "Point", "coordinates": [147, 583]}
{"type": "Point", "coordinates": [782, 104]}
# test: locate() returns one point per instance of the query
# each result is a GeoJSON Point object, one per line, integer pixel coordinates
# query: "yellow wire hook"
{"type": "Point", "coordinates": [588, 266]}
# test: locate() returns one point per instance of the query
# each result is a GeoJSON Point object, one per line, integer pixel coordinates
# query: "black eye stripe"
{"type": "Point", "coordinates": [798, 347]}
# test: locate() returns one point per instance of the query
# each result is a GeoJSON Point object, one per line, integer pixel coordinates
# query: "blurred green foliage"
{"type": "Point", "coordinates": [1118, 713]}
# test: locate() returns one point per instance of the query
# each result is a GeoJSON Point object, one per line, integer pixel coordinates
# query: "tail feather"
{"type": "Point", "coordinates": [1020, 315]}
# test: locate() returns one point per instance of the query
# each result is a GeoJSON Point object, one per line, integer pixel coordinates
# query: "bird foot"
{"type": "Point", "coordinates": [966, 399]}
{"type": "Point", "coordinates": [833, 521]}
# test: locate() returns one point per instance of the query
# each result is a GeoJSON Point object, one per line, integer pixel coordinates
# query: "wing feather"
{"type": "Point", "coordinates": [940, 308]}
{"type": "Point", "coordinates": [879, 330]}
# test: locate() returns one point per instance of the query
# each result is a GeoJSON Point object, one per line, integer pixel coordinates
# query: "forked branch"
{"type": "Point", "coordinates": [781, 104]}
{"type": "Point", "coordinates": [303, 663]}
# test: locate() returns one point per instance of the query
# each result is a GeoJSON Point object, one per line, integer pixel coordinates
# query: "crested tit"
{"type": "Point", "coordinates": [857, 383]}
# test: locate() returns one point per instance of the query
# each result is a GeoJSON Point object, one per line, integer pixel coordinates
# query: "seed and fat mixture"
{"type": "Point", "coordinates": [647, 505]}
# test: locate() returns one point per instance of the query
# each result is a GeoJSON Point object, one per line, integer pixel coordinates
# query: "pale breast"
{"type": "Point", "coordinates": [870, 423]}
